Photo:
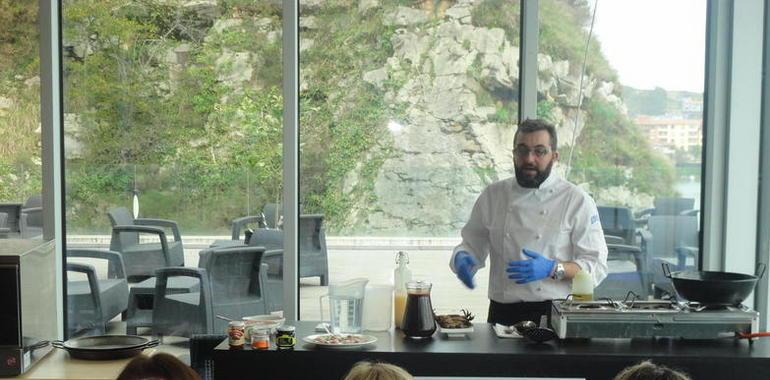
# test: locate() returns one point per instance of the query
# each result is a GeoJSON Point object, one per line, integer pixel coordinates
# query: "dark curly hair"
{"type": "Point", "coordinates": [158, 366]}
{"type": "Point", "coordinates": [534, 125]}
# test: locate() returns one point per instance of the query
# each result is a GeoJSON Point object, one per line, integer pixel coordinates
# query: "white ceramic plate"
{"type": "Point", "coordinates": [455, 332]}
{"type": "Point", "coordinates": [326, 340]}
{"type": "Point", "coordinates": [505, 331]}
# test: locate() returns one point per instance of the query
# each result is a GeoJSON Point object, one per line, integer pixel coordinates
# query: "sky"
{"type": "Point", "coordinates": [654, 43]}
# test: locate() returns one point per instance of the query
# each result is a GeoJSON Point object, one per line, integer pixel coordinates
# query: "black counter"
{"type": "Point", "coordinates": [485, 355]}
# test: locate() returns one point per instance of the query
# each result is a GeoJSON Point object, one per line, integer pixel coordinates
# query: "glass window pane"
{"type": "Point", "coordinates": [628, 111]}
{"type": "Point", "coordinates": [20, 141]}
{"type": "Point", "coordinates": [173, 111]}
{"type": "Point", "coordinates": [407, 111]}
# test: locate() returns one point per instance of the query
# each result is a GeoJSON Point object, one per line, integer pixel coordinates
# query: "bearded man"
{"type": "Point", "coordinates": [538, 230]}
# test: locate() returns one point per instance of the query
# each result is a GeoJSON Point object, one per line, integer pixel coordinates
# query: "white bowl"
{"type": "Point", "coordinates": [265, 321]}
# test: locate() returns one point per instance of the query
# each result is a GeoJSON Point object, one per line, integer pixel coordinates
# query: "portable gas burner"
{"type": "Point", "coordinates": [659, 318]}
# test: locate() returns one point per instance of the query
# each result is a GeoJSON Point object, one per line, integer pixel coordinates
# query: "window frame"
{"type": "Point", "coordinates": [729, 75]}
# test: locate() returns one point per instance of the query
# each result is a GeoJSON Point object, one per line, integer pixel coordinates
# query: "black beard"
{"type": "Point", "coordinates": [533, 182]}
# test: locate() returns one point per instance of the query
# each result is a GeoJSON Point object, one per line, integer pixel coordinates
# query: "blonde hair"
{"type": "Point", "coordinates": [377, 371]}
{"type": "Point", "coordinates": [647, 370]}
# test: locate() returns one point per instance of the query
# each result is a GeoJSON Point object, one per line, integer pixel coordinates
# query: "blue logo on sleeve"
{"type": "Point", "coordinates": [594, 218]}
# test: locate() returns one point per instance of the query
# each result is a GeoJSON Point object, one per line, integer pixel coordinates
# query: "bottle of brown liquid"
{"type": "Point", "coordinates": [418, 320]}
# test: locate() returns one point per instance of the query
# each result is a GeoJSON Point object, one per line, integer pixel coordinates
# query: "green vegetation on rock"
{"type": "Point", "coordinates": [186, 106]}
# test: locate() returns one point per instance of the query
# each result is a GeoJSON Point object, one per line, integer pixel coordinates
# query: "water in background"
{"type": "Point", "coordinates": [690, 188]}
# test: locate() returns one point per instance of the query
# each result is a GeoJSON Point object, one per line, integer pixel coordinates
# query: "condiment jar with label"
{"type": "Point", "coordinates": [236, 335]}
{"type": "Point", "coordinates": [284, 338]}
{"type": "Point", "coordinates": [260, 339]}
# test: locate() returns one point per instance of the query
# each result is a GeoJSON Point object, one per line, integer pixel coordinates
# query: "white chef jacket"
{"type": "Point", "coordinates": [558, 220]}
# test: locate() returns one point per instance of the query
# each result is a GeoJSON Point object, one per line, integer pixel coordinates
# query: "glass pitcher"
{"type": "Point", "coordinates": [346, 306]}
{"type": "Point", "coordinates": [418, 320]}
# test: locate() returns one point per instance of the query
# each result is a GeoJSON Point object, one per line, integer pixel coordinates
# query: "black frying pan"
{"type": "Point", "coordinates": [714, 288]}
{"type": "Point", "coordinates": [105, 347]}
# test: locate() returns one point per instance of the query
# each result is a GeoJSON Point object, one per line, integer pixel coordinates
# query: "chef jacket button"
{"type": "Point", "coordinates": [543, 212]}
{"type": "Point", "coordinates": [539, 289]}
{"type": "Point", "coordinates": [550, 191]}
{"type": "Point", "coordinates": [508, 234]}
{"type": "Point", "coordinates": [538, 236]}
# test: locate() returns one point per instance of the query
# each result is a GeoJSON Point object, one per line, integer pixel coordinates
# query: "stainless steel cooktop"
{"type": "Point", "coordinates": [659, 318]}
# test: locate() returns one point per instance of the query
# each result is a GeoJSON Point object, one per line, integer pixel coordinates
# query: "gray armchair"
{"type": "Point", "coordinates": [618, 221]}
{"type": "Point", "coordinates": [236, 227]}
{"type": "Point", "coordinates": [672, 239]}
{"type": "Point", "coordinates": [618, 283]}
{"type": "Point", "coordinates": [4, 230]}
{"type": "Point", "coordinates": [142, 259]}
{"type": "Point", "coordinates": [93, 302]}
{"type": "Point", "coordinates": [313, 255]}
{"type": "Point", "coordinates": [272, 242]}
{"type": "Point", "coordinates": [232, 283]}
{"type": "Point", "coordinates": [273, 213]}
{"type": "Point", "coordinates": [31, 218]}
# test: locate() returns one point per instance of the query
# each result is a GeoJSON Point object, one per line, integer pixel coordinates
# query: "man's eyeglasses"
{"type": "Point", "coordinates": [523, 151]}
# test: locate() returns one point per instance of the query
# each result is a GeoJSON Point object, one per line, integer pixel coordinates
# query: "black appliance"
{"type": "Point", "coordinates": [28, 316]}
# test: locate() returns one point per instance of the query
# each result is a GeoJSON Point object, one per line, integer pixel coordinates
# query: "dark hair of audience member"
{"type": "Point", "coordinates": [647, 370]}
{"type": "Point", "coordinates": [159, 366]}
{"type": "Point", "coordinates": [367, 370]}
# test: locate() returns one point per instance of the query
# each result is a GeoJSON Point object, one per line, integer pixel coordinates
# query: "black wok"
{"type": "Point", "coordinates": [714, 288]}
{"type": "Point", "coordinates": [105, 347]}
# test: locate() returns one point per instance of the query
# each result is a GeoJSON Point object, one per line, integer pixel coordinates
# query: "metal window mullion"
{"type": "Point", "coordinates": [290, 157]}
{"type": "Point", "coordinates": [530, 29]}
{"type": "Point", "coordinates": [51, 143]}
{"type": "Point", "coordinates": [742, 181]}
{"type": "Point", "coordinates": [716, 115]}
{"type": "Point", "coordinates": [763, 224]}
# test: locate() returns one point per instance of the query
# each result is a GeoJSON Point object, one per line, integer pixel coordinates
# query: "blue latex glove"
{"type": "Point", "coordinates": [534, 269]}
{"type": "Point", "coordinates": [464, 264]}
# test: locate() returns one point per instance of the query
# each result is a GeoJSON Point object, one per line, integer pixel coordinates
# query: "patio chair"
{"type": "Point", "coordinates": [313, 255]}
{"type": "Point", "coordinates": [142, 259]}
{"type": "Point", "coordinates": [93, 302]}
{"type": "Point", "coordinates": [673, 205]}
{"type": "Point", "coordinates": [232, 283]}
{"type": "Point", "coordinates": [272, 242]}
{"type": "Point", "coordinates": [31, 218]}
{"type": "Point", "coordinates": [618, 221]}
{"type": "Point", "coordinates": [617, 284]}
{"type": "Point", "coordinates": [4, 230]}
{"type": "Point", "coordinates": [273, 213]}
{"type": "Point", "coordinates": [237, 226]}
{"type": "Point", "coordinates": [667, 206]}
{"type": "Point", "coordinates": [672, 239]}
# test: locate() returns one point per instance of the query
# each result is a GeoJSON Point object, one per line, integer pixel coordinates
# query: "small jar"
{"type": "Point", "coordinates": [236, 335]}
{"type": "Point", "coordinates": [285, 338]}
{"type": "Point", "coordinates": [260, 339]}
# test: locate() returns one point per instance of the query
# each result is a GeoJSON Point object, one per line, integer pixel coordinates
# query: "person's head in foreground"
{"type": "Point", "coordinates": [377, 371]}
{"type": "Point", "coordinates": [157, 367]}
{"type": "Point", "coordinates": [646, 370]}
